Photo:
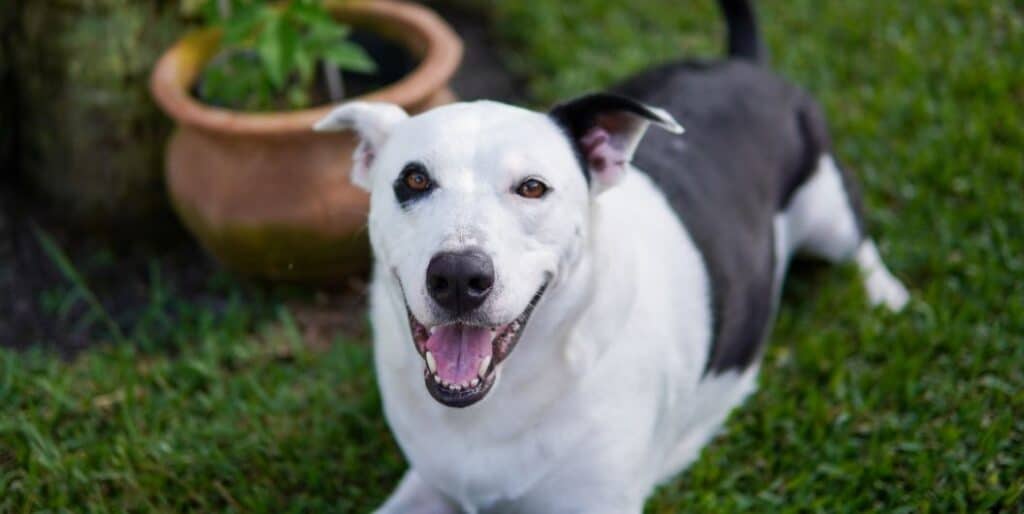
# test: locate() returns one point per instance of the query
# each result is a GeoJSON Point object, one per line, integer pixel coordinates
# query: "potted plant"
{"type": "Point", "coordinates": [266, 195]}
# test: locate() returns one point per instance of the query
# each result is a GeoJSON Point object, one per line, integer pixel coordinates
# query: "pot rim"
{"type": "Point", "coordinates": [179, 67]}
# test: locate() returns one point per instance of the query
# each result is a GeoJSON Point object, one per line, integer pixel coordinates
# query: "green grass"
{"type": "Point", "coordinates": [858, 410]}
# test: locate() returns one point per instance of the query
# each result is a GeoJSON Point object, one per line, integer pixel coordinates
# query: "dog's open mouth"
{"type": "Point", "coordinates": [461, 360]}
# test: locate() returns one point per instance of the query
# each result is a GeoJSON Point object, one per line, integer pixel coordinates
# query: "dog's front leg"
{"type": "Point", "coordinates": [590, 498]}
{"type": "Point", "coordinates": [414, 496]}
{"type": "Point", "coordinates": [599, 507]}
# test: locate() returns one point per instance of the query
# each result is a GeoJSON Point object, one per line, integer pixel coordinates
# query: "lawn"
{"type": "Point", "coordinates": [858, 410]}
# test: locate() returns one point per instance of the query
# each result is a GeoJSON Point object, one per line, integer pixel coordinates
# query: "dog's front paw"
{"type": "Point", "coordinates": [885, 289]}
{"type": "Point", "coordinates": [414, 496]}
{"type": "Point", "coordinates": [881, 286]}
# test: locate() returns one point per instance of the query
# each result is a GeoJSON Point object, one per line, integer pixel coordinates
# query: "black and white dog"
{"type": "Point", "coordinates": [564, 317]}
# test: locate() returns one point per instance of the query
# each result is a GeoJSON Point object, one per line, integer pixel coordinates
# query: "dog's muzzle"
{"type": "Point", "coordinates": [461, 360]}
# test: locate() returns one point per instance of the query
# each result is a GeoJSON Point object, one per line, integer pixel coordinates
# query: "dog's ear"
{"type": "Point", "coordinates": [605, 130]}
{"type": "Point", "coordinates": [372, 122]}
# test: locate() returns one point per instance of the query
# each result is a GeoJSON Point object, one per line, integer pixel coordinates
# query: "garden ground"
{"type": "Point", "coordinates": [235, 405]}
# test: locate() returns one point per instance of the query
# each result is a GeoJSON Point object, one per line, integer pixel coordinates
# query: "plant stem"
{"type": "Point", "coordinates": [224, 6]}
{"type": "Point", "coordinates": [335, 86]}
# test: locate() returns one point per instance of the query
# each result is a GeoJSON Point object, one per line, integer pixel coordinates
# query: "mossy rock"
{"type": "Point", "coordinates": [91, 138]}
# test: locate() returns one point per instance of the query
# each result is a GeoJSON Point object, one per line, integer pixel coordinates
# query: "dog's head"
{"type": "Point", "coordinates": [476, 209]}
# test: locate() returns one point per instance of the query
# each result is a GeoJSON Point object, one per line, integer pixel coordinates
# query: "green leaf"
{"type": "Point", "coordinates": [305, 65]}
{"type": "Point", "coordinates": [317, 18]}
{"type": "Point", "coordinates": [289, 48]}
{"type": "Point", "coordinates": [327, 33]}
{"type": "Point", "coordinates": [349, 56]}
{"type": "Point", "coordinates": [297, 98]}
{"type": "Point", "coordinates": [275, 45]}
{"type": "Point", "coordinates": [288, 39]}
{"type": "Point", "coordinates": [210, 13]}
{"type": "Point", "coordinates": [238, 31]}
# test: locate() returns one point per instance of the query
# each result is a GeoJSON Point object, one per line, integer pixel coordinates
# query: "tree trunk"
{"type": "Point", "coordinates": [91, 140]}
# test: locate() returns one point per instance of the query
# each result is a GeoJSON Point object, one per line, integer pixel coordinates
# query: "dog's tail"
{"type": "Point", "coordinates": [744, 38]}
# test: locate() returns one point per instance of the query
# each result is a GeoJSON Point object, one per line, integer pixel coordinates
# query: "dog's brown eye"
{"type": "Point", "coordinates": [417, 181]}
{"type": "Point", "coordinates": [532, 188]}
{"type": "Point", "coordinates": [412, 184]}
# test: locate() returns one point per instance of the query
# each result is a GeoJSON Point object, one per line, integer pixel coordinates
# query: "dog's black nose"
{"type": "Point", "coordinates": [460, 281]}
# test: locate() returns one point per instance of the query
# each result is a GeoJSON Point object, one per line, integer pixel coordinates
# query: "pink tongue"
{"type": "Point", "coordinates": [459, 350]}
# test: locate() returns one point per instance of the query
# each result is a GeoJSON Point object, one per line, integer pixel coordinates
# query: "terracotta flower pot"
{"type": "Point", "coordinates": [263, 193]}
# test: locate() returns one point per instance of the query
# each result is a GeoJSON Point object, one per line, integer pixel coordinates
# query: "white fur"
{"type": "Point", "coordinates": [882, 287]}
{"type": "Point", "coordinates": [605, 394]}
{"type": "Point", "coordinates": [584, 405]}
{"type": "Point", "coordinates": [373, 122]}
{"type": "Point", "coordinates": [820, 222]}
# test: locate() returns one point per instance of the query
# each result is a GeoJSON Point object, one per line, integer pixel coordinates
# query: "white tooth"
{"type": "Point", "coordinates": [474, 382]}
{"type": "Point", "coordinates": [457, 387]}
{"type": "Point", "coordinates": [437, 378]}
{"type": "Point", "coordinates": [484, 364]}
{"type": "Point", "coordinates": [431, 363]}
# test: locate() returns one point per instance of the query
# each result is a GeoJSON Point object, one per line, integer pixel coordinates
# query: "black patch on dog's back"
{"type": "Point", "coordinates": [751, 140]}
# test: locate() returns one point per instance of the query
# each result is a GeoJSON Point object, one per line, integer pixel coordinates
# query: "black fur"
{"type": "Point", "coordinates": [751, 141]}
{"type": "Point", "coordinates": [406, 195]}
{"type": "Point", "coordinates": [579, 115]}
{"type": "Point", "coordinates": [749, 144]}
{"type": "Point", "coordinates": [743, 37]}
